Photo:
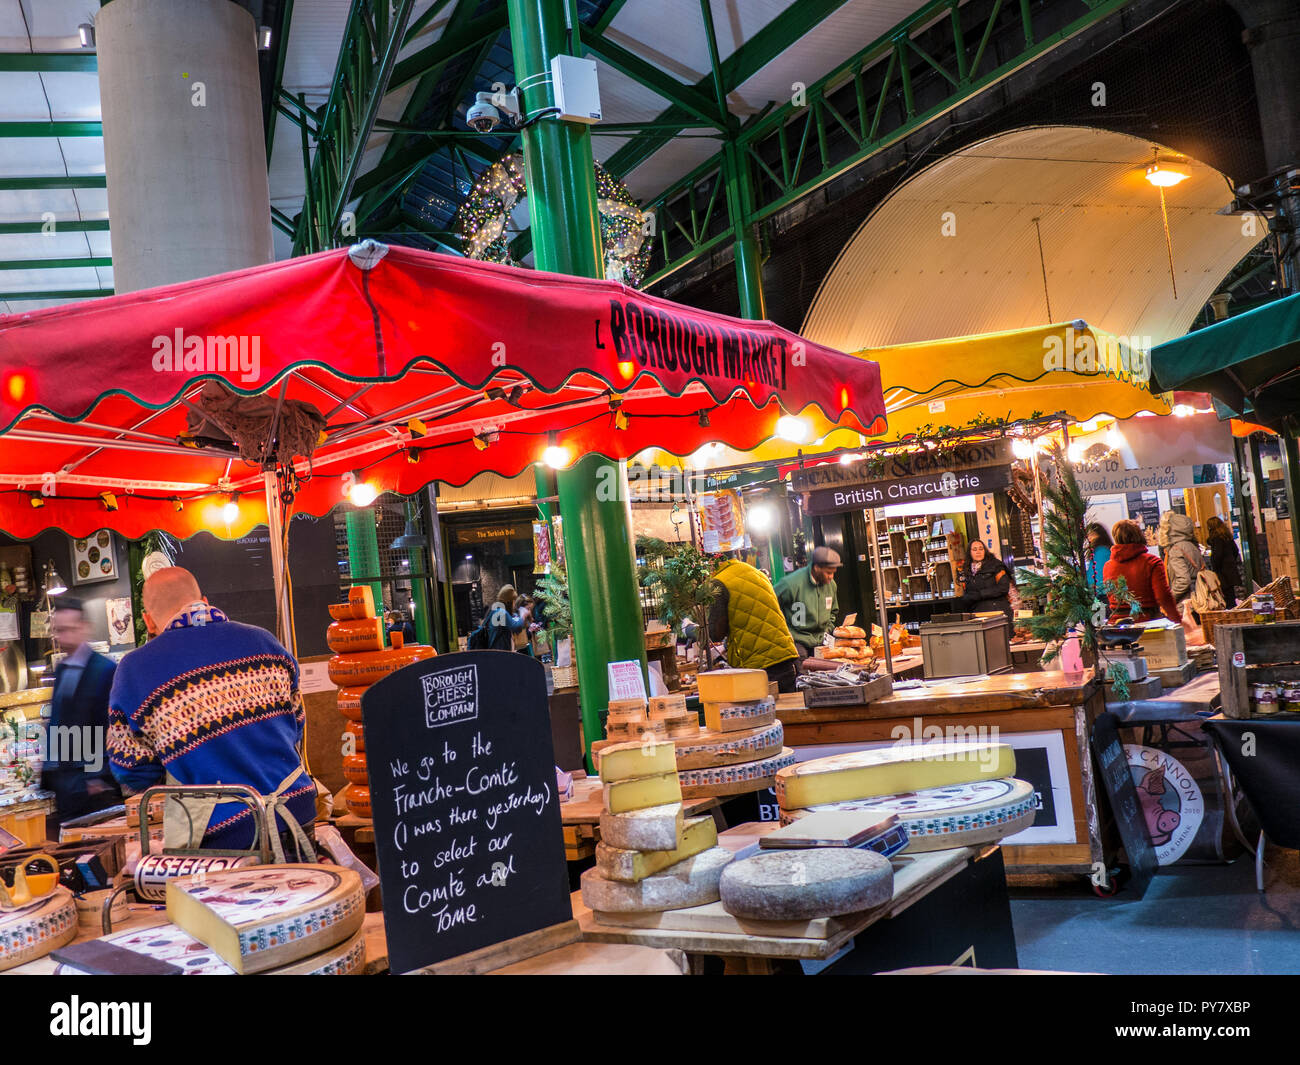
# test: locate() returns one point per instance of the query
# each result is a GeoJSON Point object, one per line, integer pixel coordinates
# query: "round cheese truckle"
{"type": "Point", "coordinates": [354, 769]}
{"type": "Point", "coordinates": [364, 668]}
{"type": "Point", "coordinates": [798, 885]}
{"type": "Point", "coordinates": [358, 799]}
{"type": "Point", "coordinates": [350, 703]}
{"type": "Point", "coordinates": [692, 882]}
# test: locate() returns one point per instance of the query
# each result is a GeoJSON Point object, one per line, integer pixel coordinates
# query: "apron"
{"type": "Point", "coordinates": [185, 821]}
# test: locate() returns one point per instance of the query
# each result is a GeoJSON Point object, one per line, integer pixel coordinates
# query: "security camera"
{"type": "Point", "coordinates": [482, 116]}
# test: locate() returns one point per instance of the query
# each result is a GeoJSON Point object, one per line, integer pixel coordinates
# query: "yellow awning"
{"type": "Point", "coordinates": [1067, 368]}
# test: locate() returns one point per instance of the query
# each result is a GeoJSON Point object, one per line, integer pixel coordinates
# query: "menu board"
{"type": "Point", "coordinates": [1117, 780]}
{"type": "Point", "coordinates": [467, 818]}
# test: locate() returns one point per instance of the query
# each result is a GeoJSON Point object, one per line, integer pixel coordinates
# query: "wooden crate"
{"type": "Point", "coordinates": [1164, 648]}
{"type": "Point", "coordinates": [1268, 654]}
{"type": "Point", "coordinates": [849, 694]}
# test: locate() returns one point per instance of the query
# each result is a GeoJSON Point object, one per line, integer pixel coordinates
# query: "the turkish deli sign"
{"type": "Point", "coordinates": [907, 477]}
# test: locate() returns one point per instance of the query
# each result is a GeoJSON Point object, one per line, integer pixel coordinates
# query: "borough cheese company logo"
{"type": "Point", "coordinates": [450, 695]}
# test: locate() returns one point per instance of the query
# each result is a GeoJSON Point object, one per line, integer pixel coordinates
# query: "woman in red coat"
{"type": "Point", "coordinates": [1142, 571]}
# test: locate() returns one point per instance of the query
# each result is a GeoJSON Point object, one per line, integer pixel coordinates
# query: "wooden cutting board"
{"type": "Point", "coordinates": [831, 828]}
{"type": "Point", "coordinates": [711, 917]}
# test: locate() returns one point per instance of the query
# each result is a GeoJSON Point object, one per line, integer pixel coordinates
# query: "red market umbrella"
{"type": "Point", "coordinates": [421, 366]}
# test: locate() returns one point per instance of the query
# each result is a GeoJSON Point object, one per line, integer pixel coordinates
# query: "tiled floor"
{"type": "Point", "coordinates": [1196, 919]}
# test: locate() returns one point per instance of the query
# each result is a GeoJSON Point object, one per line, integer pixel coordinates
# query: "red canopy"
{"type": "Point", "coordinates": [426, 367]}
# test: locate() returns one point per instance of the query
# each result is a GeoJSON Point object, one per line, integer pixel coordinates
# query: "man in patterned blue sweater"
{"type": "Point", "coordinates": [208, 701]}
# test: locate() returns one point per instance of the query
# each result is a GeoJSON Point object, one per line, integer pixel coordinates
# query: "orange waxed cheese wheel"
{"type": "Point", "coordinates": [361, 595]}
{"type": "Point", "coordinates": [364, 668]}
{"type": "Point", "coordinates": [343, 611]}
{"type": "Point", "coordinates": [350, 703]}
{"type": "Point", "coordinates": [363, 634]}
{"type": "Point", "coordinates": [358, 798]}
{"type": "Point", "coordinates": [354, 769]}
{"type": "Point", "coordinates": [357, 732]}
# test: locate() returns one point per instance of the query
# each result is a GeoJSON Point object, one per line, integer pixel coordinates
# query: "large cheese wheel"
{"type": "Point", "coordinates": [726, 748]}
{"type": "Point", "coordinates": [365, 634]}
{"type": "Point", "coordinates": [358, 800]}
{"type": "Point", "coordinates": [804, 884]}
{"type": "Point", "coordinates": [734, 779]}
{"type": "Point", "coordinates": [354, 769]}
{"type": "Point", "coordinates": [33, 930]}
{"type": "Point", "coordinates": [350, 703]}
{"type": "Point", "coordinates": [366, 667]}
{"type": "Point", "coordinates": [891, 770]}
{"type": "Point", "coordinates": [269, 916]}
{"type": "Point", "coordinates": [692, 882]}
{"type": "Point", "coordinates": [345, 611]}
{"type": "Point", "coordinates": [167, 943]}
{"type": "Point", "coordinates": [961, 815]}
{"type": "Point", "coordinates": [357, 731]}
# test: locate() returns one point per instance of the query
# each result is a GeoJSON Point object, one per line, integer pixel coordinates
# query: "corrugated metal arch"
{"type": "Point", "coordinates": [954, 250]}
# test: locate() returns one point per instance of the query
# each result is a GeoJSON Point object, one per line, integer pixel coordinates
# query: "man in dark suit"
{"type": "Point", "coordinates": [77, 768]}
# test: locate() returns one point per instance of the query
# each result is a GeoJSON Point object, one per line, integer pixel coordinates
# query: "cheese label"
{"type": "Point", "coordinates": [153, 872]}
{"type": "Point", "coordinates": [738, 772]}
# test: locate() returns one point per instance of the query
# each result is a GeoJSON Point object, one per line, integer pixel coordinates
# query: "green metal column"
{"type": "Point", "coordinates": [1261, 496]}
{"type": "Point", "coordinates": [749, 266]}
{"type": "Point", "coordinates": [593, 493]}
{"type": "Point", "coordinates": [363, 551]}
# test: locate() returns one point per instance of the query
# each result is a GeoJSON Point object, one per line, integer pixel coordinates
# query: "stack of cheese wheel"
{"type": "Point", "coordinates": [273, 917]}
{"type": "Point", "coordinates": [679, 722]}
{"type": "Point", "coordinates": [357, 639]}
{"type": "Point", "coordinates": [649, 856]}
{"type": "Point", "coordinates": [948, 794]}
{"type": "Point", "coordinates": [626, 719]}
{"type": "Point", "coordinates": [850, 644]}
{"type": "Point", "coordinates": [735, 701]}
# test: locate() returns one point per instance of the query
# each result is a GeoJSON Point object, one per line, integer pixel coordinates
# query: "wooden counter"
{"type": "Point", "coordinates": [1043, 714]}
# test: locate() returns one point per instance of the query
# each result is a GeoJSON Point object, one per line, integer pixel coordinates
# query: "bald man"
{"type": "Point", "coordinates": [208, 701]}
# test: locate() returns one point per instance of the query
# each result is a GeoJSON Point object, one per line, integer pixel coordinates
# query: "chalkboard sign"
{"type": "Point", "coordinates": [1117, 779]}
{"type": "Point", "coordinates": [467, 819]}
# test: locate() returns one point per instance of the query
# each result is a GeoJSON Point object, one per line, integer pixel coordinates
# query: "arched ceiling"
{"type": "Point", "coordinates": [955, 250]}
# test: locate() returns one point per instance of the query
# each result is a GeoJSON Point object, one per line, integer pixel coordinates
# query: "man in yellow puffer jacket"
{"type": "Point", "coordinates": [747, 614]}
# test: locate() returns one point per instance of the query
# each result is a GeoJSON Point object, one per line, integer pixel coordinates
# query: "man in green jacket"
{"type": "Point", "coordinates": [746, 613]}
{"type": "Point", "coordinates": [809, 600]}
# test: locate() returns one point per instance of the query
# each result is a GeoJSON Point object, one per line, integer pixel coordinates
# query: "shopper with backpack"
{"type": "Point", "coordinates": [498, 629]}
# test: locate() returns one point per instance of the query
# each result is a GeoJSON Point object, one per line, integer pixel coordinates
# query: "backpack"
{"type": "Point", "coordinates": [480, 639]}
{"type": "Point", "coordinates": [1207, 593]}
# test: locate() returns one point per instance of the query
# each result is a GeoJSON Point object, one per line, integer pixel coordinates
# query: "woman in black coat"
{"type": "Point", "coordinates": [986, 584]}
{"type": "Point", "coordinates": [1225, 559]}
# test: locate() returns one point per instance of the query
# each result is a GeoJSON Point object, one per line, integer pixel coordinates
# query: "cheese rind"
{"type": "Point", "coordinates": [803, 884]}
{"type": "Point", "coordinates": [692, 882]}
{"type": "Point", "coordinates": [890, 771]}
{"type": "Point", "coordinates": [732, 685]}
{"type": "Point", "coordinates": [34, 929]}
{"type": "Point", "coordinates": [698, 781]}
{"type": "Point", "coordinates": [732, 717]}
{"type": "Point", "coordinates": [638, 793]}
{"type": "Point", "coordinates": [713, 748]}
{"type": "Point", "coordinates": [271, 915]}
{"type": "Point", "coordinates": [630, 866]}
{"type": "Point", "coordinates": [625, 761]}
{"type": "Point", "coordinates": [654, 828]}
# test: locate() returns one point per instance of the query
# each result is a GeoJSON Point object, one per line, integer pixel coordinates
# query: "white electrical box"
{"type": "Point", "coordinates": [573, 82]}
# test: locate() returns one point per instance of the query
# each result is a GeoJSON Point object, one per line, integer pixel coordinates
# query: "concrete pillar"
{"type": "Point", "coordinates": [184, 146]}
